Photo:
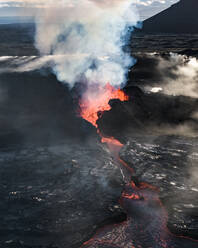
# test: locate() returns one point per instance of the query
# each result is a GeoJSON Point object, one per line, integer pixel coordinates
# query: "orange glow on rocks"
{"type": "Point", "coordinates": [96, 99]}
{"type": "Point", "coordinates": [112, 141]}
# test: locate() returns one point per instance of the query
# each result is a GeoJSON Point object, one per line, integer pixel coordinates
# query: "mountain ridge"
{"type": "Point", "coordinates": [181, 17]}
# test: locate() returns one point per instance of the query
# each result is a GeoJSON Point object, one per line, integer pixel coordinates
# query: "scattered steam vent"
{"type": "Point", "coordinates": [98, 138]}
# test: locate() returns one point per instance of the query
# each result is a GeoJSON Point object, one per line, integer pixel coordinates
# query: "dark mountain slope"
{"type": "Point", "coordinates": [179, 18]}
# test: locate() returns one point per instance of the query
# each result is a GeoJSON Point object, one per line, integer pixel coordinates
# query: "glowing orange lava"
{"type": "Point", "coordinates": [96, 99]}
{"type": "Point", "coordinates": [130, 196]}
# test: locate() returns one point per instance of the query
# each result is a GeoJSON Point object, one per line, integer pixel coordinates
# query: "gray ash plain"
{"type": "Point", "coordinates": [58, 183]}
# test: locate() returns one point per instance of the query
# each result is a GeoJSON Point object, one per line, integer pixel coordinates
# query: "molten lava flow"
{"type": "Point", "coordinates": [131, 196]}
{"type": "Point", "coordinates": [97, 99]}
{"type": "Point", "coordinates": [111, 141]}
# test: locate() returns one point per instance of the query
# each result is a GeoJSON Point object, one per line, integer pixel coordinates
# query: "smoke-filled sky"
{"type": "Point", "coordinates": [146, 8]}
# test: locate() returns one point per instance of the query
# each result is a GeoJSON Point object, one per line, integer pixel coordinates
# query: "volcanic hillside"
{"type": "Point", "coordinates": [179, 18]}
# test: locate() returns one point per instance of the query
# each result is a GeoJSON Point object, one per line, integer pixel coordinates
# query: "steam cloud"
{"type": "Point", "coordinates": [186, 71]}
{"type": "Point", "coordinates": [178, 78]}
{"type": "Point", "coordinates": [178, 75]}
{"type": "Point", "coordinates": [91, 33]}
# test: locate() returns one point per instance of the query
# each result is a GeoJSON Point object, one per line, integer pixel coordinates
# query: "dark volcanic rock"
{"type": "Point", "coordinates": [37, 109]}
{"type": "Point", "coordinates": [17, 39]}
{"type": "Point", "coordinates": [164, 43]}
{"type": "Point", "coordinates": [148, 114]}
{"type": "Point", "coordinates": [169, 163]}
{"type": "Point", "coordinates": [179, 18]}
{"type": "Point", "coordinates": [189, 52]}
{"type": "Point", "coordinates": [57, 183]}
{"type": "Point", "coordinates": [56, 196]}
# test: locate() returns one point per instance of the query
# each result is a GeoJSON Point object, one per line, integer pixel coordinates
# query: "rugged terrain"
{"type": "Point", "coordinates": [58, 183]}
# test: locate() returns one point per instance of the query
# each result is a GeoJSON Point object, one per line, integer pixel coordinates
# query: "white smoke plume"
{"type": "Point", "coordinates": [90, 33]}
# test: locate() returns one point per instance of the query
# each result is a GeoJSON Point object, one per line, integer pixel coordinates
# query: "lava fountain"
{"type": "Point", "coordinates": [96, 99]}
{"type": "Point", "coordinates": [94, 102]}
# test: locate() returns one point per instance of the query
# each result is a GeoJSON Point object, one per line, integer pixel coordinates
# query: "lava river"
{"type": "Point", "coordinates": [146, 224]}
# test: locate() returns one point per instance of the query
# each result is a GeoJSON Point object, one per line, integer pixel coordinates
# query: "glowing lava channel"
{"type": "Point", "coordinates": [96, 99]}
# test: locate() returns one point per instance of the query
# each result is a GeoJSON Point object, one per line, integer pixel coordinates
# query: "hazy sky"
{"type": "Point", "coordinates": [146, 8]}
